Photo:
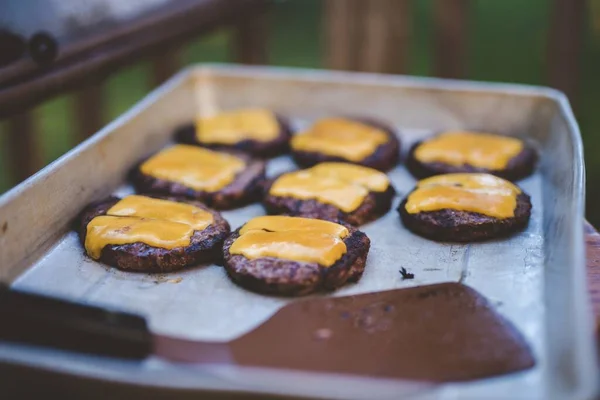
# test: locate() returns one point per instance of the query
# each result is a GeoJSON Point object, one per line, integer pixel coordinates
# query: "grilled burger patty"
{"type": "Point", "coordinates": [449, 225]}
{"type": "Point", "coordinates": [245, 189]}
{"type": "Point", "coordinates": [187, 134]}
{"type": "Point", "coordinates": [373, 206]}
{"type": "Point", "coordinates": [384, 158]}
{"type": "Point", "coordinates": [293, 278]}
{"type": "Point", "coordinates": [205, 246]}
{"type": "Point", "coordinates": [519, 167]}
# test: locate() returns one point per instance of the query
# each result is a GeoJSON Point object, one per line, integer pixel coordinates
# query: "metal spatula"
{"type": "Point", "coordinates": [435, 333]}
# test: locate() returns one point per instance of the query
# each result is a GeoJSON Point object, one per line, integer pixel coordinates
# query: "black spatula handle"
{"type": "Point", "coordinates": [46, 321]}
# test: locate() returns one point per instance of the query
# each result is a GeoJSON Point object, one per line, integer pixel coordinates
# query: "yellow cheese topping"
{"type": "Point", "coordinates": [150, 208]}
{"type": "Point", "coordinates": [194, 167]}
{"type": "Point", "coordinates": [158, 223]}
{"type": "Point", "coordinates": [375, 181]}
{"type": "Point", "coordinates": [342, 138]}
{"type": "Point", "coordinates": [235, 126]}
{"type": "Point", "coordinates": [481, 193]}
{"type": "Point", "coordinates": [482, 150]}
{"type": "Point", "coordinates": [291, 238]}
{"type": "Point", "coordinates": [106, 230]}
{"type": "Point", "coordinates": [342, 185]}
{"type": "Point", "coordinates": [280, 223]}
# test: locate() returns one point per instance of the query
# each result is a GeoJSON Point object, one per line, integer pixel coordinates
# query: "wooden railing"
{"type": "Point", "coordinates": [374, 36]}
{"type": "Point", "coordinates": [83, 66]}
{"type": "Point", "coordinates": [360, 35]}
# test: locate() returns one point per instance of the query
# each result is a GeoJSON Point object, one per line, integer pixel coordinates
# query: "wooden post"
{"type": "Point", "coordinates": [375, 55]}
{"type": "Point", "coordinates": [250, 39]}
{"type": "Point", "coordinates": [340, 24]}
{"type": "Point", "coordinates": [89, 111]}
{"type": "Point", "coordinates": [450, 20]}
{"type": "Point", "coordinates": [564, 45]}
{"type": "Point", "coordinates": [400, 28]}
{"type": "Point", "coordinates": [24, 158]}
{"type": "Point", "coordinates": [368, 36]}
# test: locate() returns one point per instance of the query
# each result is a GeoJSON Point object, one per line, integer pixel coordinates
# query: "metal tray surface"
{"type": "Point", "coordinates": [535, 278]}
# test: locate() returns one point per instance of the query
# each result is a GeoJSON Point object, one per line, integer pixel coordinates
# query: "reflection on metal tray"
{"type": "Point", "coordinates": [536, 278]}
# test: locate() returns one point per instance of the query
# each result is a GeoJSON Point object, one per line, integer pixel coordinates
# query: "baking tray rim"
{"type": "Point", "coordinates": [577, 253]}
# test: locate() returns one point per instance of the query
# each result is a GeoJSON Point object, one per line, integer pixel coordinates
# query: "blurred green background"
{"type": "Point", "coordinates": [507, 43]}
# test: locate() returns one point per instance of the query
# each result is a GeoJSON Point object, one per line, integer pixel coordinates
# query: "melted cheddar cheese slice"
{"type": "Point", "coordinates": [280, 223]}
{"type": "Point", "coordinates": [481, 150]}
{"type": "Point", "coordinates": [339, 137]}
{"type": "Point", "coordinates": [291, 238]}
{"type": "Point", "coordinates": [195, 167]}
{"type": "Point", "coordinates": [158, 223]}
{"type": "Point", "coordinates": [235, 126]}
{"type": "Point", "coordinates": [481, 193]}
{"type": "Point", "coordinates": [339, 184]}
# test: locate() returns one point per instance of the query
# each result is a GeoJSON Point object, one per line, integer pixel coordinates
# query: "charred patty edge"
{"type": "Point", "coordinates": [205, 245]}
{"type": "Point", "coordinates": [280, 145]}
{"type": "Point", "coordinates": [293, 278]}
{"type": "Point", "coordinates": [448, 225]}
{"type": "Point", "coordinates": [384, 158]}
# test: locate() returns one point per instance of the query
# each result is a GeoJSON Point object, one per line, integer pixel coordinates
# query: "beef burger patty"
{"type": "Point", "coordinates": [331, 191]}
{"type": "Point", "coordinates": [221, 180]}
{"type": "Point", "coordinates": [145, 234]}
{"type": "Point", "coordinates": [257, 132]}
{"type": "Point", "coordinates": [458, 151]}
{"type": "Point", "coordinates": [465, 208]}
{"type": "Point", "coordinates": [357, 141]}
{"type": "Point", "coordinates": [293, 256]}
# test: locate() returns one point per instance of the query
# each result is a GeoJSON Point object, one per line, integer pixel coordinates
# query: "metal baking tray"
{"type": "Point", "coordinates": [536, 278]}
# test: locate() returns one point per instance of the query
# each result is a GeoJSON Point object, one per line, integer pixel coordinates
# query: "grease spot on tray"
{"type": "Point", "coordinates": [158, 279]}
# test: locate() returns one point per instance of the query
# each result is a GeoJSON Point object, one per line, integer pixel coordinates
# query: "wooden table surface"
{"type": "Point", "coordinates": [592, 240]}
